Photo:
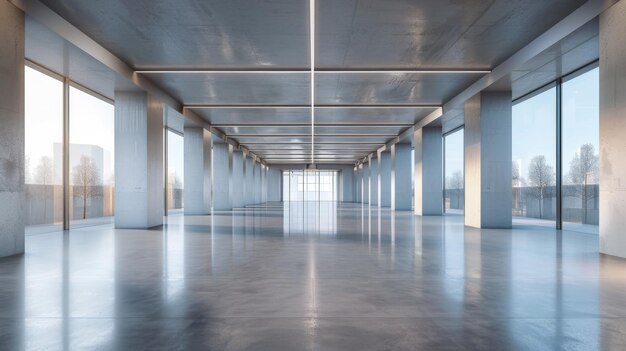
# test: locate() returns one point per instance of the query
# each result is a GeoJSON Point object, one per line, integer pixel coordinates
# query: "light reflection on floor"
{"type": "Point", "coordinates": [312, 276]}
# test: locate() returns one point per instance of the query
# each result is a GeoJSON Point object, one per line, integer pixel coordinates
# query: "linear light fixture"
{"type": "Point", "coordinates": [307, 143]}
{"type": "Point", "coordinates": [311, 106]}
{"type": "Point", "coordinates": [278, 135]}
{"type": "Point", "coordinates": [312, 51]}
{"type": "Point", "coordinates": [309, 70]}
{"type": "Point", "coordinates": [325, 125]}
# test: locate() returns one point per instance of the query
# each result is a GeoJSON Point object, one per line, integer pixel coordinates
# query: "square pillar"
{"type": "Point", "coordinates": [257, 183]}
{"type": "Point", "coordinates": [373, 169]}
{"type": "Point", "coordinates": [612, 130]}
{"type": "Point", "coordinates": [401, 177]}
{"type": "Point", "coordinates": [249, 181]}
{"type": "Point", "coordinates": [359, 184]}
{"type": "Point", "coordinates": [198, 175]}
{"type": "Point", "coordinates": [366, 182]}
{"type": "Point", "coordinates": [384, 179]}
{"type": "Point", "coordinates": [428, 176]}
{"type": "Point", "coordinates": [139, 195]}
{"type": "Point", "coordinates": [12, 129]}
{"type": "Point", "coordinates": [488, 160]}
{"type": "Point", "coordinates": [237, 180]}
{"type": "Point", "coordinates": [275, 178]}
{"type": "Point", "coordinates": [221, 177]}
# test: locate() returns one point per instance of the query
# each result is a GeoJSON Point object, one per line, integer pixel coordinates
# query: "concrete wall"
{"type": "Point", "coordinates": [237, 180]}
{"type": "Point", "coordinates": [11, 130]}
{"type": "Point", "coordinates": [139, 195]}
{"type": "Point", "coordinates": [488, 194]}
{"type": "Point", "coordinates": [385, 179]}
{"type": "Point", "coordinates": [221, 174]}
{"type": "Point", "coordinates": [198, 177]}
{"type": "Point", "coordinates": [428, 171]}
{"type": "Point", "coordinates": [613, 130]}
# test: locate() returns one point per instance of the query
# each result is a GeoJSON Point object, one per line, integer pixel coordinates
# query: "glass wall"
{"type": "Point", "coordinates": [310, 185]}
{"type": "Point", "coordinates": [175, 171]}
{"type": "Point", "coordinates": [534, 159]}
{"type": "Point", "coordinates": [580, 145]}
{"type": "Point", "coordinates": [44, 162]}
{"type": "Point", "coordinates": [454, 185]}
{"type": "Point", "coordinates": [92, 152]}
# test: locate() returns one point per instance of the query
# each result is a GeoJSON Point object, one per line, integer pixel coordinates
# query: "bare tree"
{"type": "Point", "coordinates": [515, 174]}
{"type": "Point", "coordinates": [540, 176]}
{"type": "Point", "coordinates": [44, 173]}
{"type": "Point", "coordinates": [583, 170]}
{"type": "Point", "coordinates": [86, 177]}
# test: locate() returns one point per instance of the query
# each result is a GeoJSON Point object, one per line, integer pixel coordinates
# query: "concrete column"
{"type": "Point", "coordinates": [347, 184]}
{"type": "Point", "coordinates": [488, 160]}
{"type": "Point", "coordinates": [263, 184]}
{"type": "Point", "coordinates": [612, 130]}
{"type": "Point", "coordinates": [198, 177]}
{"type": "Point", "coordinates": [401, 177]}
{"type": "Point", "coordinates": [221, 177]}
{"type": "Point", "coordinates": [257, 183]}
{"type": "Point", "coordinates": [359, 184]}
{"type": "Point", "coordinates": [12, 130]}
{"type": "Point", "coordinates": [275, 178]}
{"type": "Point", "coordinates": [428, 177]}
{"type": "Point", "coordinates": [366, 182]}
{"type": "Point", "coordinates": [139, 195]}
{"type": "Point", "coordinates": [384, 179]}
{"type": "Point", "coordinates": [249, 181]}
{"type": "Point", "coordinates": [373, 168]}
{"type": "Point", "coordinates": [237, 180]}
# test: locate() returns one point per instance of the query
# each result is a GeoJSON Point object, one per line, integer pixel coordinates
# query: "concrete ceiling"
{"type": "Point", "coordinates": [269, 112]}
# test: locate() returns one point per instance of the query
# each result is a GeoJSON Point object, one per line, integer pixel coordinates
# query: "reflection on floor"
{"type": "Point", "coordinates": [312, 276]}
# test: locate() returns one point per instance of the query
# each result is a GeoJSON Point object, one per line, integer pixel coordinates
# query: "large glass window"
{"type": "Point", "coordinates": [580, 126]}
{"type": "Point", "coordinates": [310, 186]}
{"type": "Point", "coordinates": [454, 187]}
{"type": "Point", "coordinates": [92, 152]}
{"type": "Point", "coordinates": [175, 171]}
{"type": "Point", "coordinates": [43, 146]}
{"type": "Point", "coordinates": [534, 159]}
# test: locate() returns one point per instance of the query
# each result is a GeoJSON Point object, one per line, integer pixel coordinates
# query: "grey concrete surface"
{"type": "Point", "coordinates": [334, 277]}
{"type": "Point", "coordinates": [428, 179]}
{"type": "Point", "coordinates": [139, 194]}
{"type": "Point", "coordinates": [612, 131]}
{"type": "Point", "coordinates": [198, 175]}
{"type": "Point", "coordinates": [12, 129]}
{"type": "Point", "coordinates": [488, 147]}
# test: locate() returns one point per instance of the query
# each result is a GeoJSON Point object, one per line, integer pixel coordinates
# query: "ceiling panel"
{"type": "Point", "coordinates": [371, 116]}
{"type": "Point", "coordinates": [191, 33]}
{"type": "Point", "coordinates": [239, 116]}
{"type": "Point", "coordinates": [431, 33]}
{"type": "Point", "coordinates": [395, 88]}
{"type": "Point", "coordinates": [236, 88]}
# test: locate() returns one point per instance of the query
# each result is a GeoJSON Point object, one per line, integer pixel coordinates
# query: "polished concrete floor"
{"type": "Point", "coordinates": [312, 277]}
